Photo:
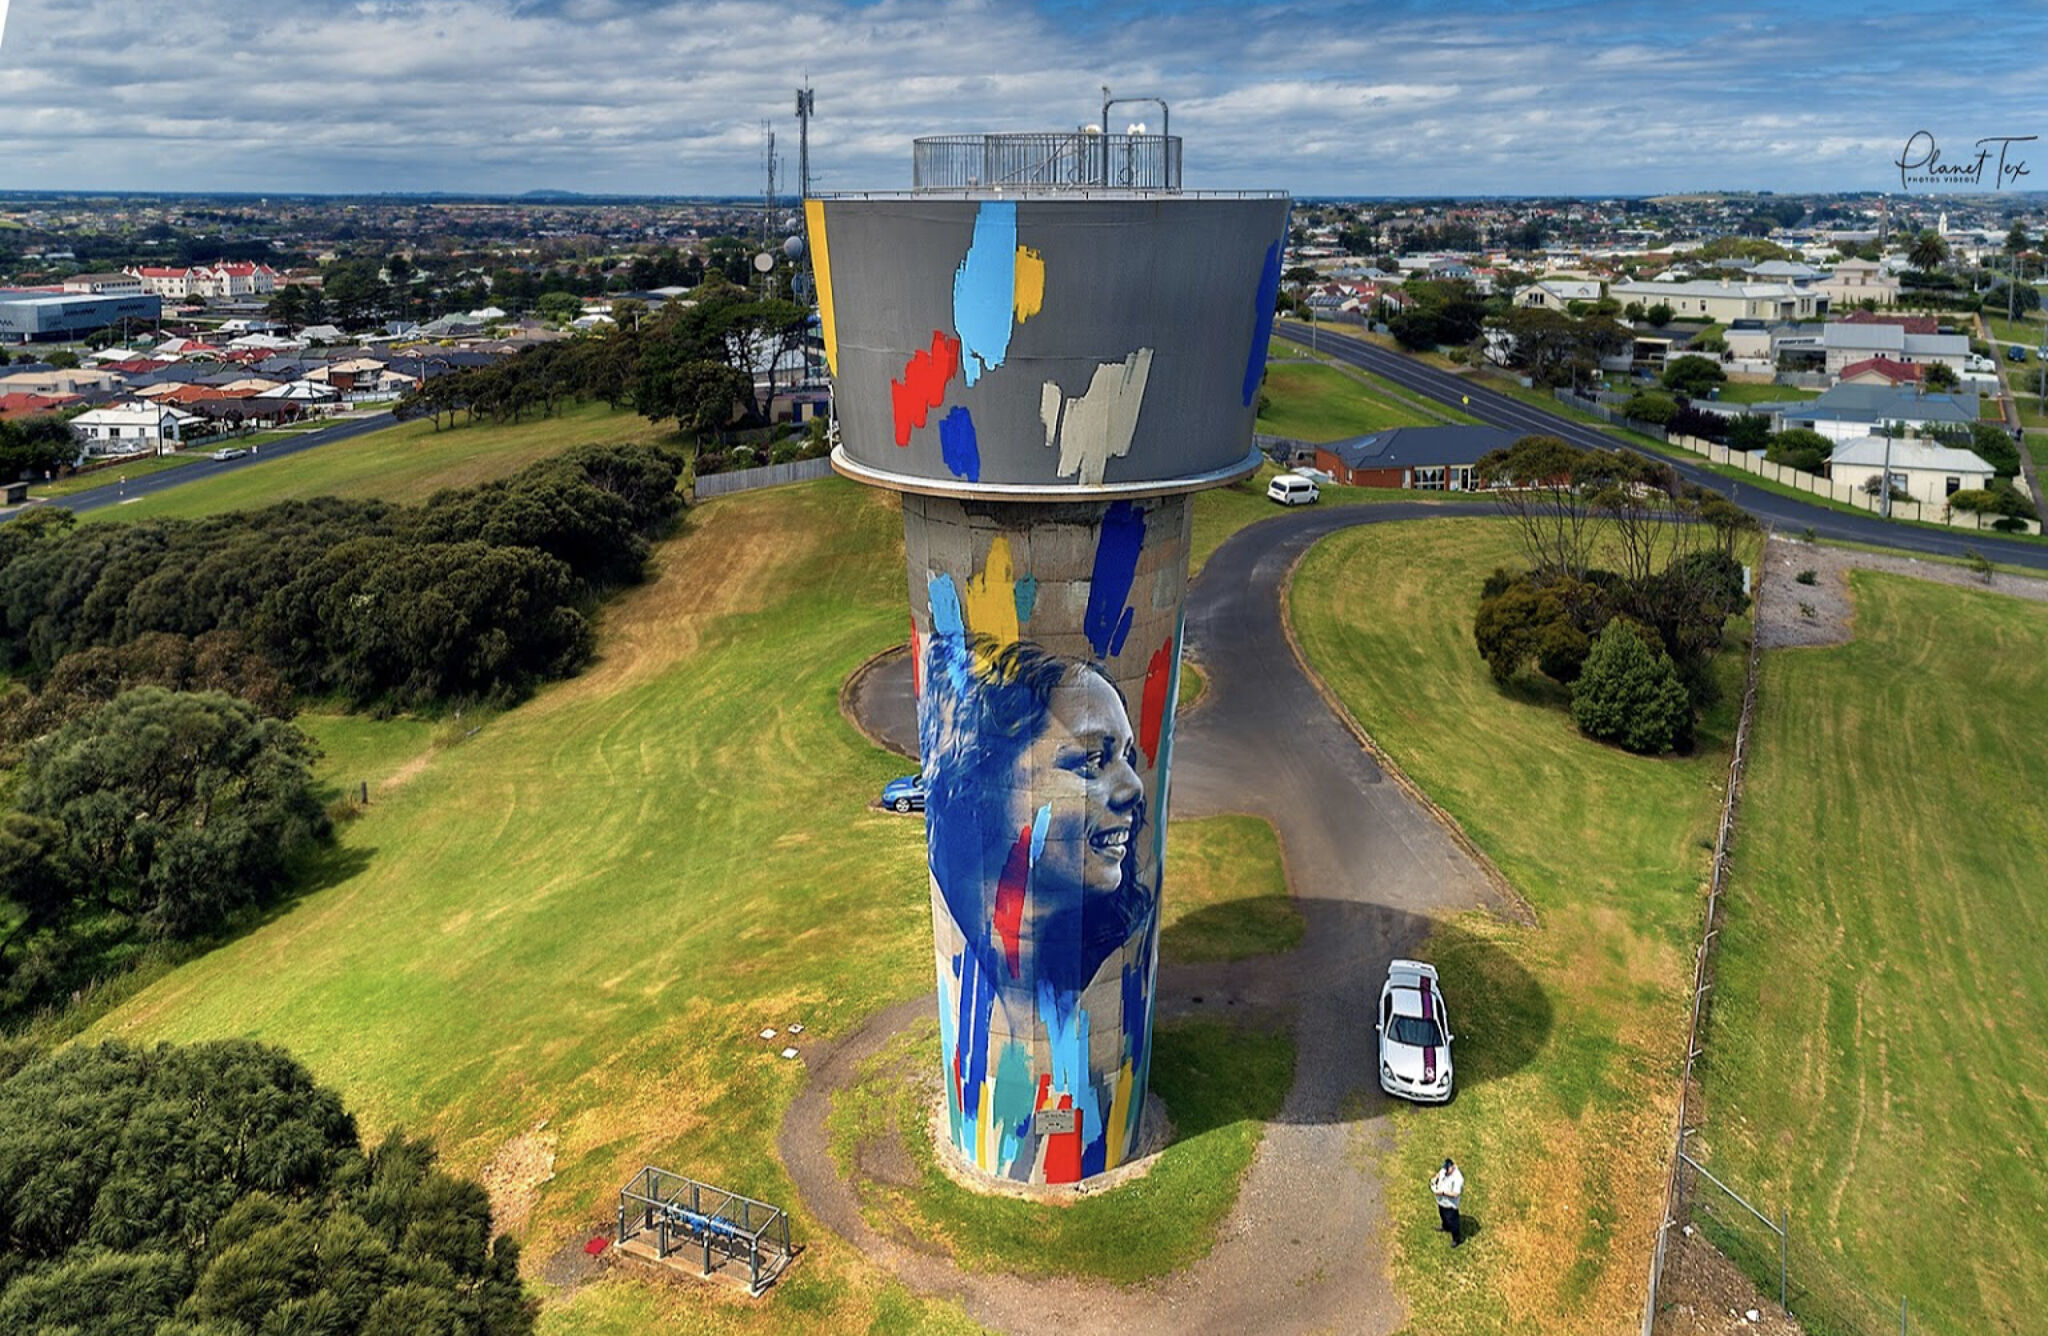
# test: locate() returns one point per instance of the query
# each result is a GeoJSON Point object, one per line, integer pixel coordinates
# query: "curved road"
{"type": "Point", "coordinates": [1500, 410]}
{"type": "Point", "coordinates": [148, 484]}
{"type": "Point", "coordinates": [1370, 869]}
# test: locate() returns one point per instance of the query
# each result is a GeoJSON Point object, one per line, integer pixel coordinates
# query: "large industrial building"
{"type": "Point", "coordinates": [40, 315]}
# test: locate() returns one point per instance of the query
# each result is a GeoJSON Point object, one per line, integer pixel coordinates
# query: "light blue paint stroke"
{"type": "Point", "coordinates": [947, 617]}
{"type": "Point", "coordinates": [1038, 825]}
{"type": "Point", "coordinates": [985, 290]}
{"type": "Point", "coordinates": [1011, 1104]}
{"type": "Point", "coordinates": [1108, 619]}
{"type": "Point", "coordinates": [1262, 331]}
{"type": "Point", "coordinates": [949, 1031]}
{"type": "Point", "coordinates": [1027, 597]}
{"type": "Point", "coordinates": [957, 444]}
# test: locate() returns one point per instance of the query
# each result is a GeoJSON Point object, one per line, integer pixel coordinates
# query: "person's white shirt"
{"type": "Point", "coordinates": [1448, 1185]}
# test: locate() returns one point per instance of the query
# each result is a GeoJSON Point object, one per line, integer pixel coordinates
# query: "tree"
{"type": "Point", "coordinates": [1521, 618]}
{"type": "Point", "coordinates": [560, 307]}
{"type": "Point", "coordinates": [1629, 693]}
{"type": "Point", "coordinates": [215, 1188]}
{"type": "Point", "coordinates": [1800, 448]}
{"type": "Point", "coordinates": [1633, 312]}
{"type": "Point", "coordinates": [1928, 252]}
{"type": "Point", "coordinates": [177, 807]}
{"type": "Point", "coordinates": [1749, 431]}
{"type": "Point", "coordinates": [1939, 376]}
{"type": "Point", "coordinates": [1650, 406]}
{"type": "Point", "coordinates": [2016, 240]}
{"type": "Point", "coordinates": [1660, 315]}
{"type": "Point", "coordinates": [1693, 375]}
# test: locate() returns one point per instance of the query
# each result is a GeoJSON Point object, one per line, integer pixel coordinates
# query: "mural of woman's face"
{"type": "Point", "coordinates": [1084, 766]}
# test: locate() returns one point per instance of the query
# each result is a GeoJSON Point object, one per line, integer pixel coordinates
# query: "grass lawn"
{"type": "Point", "coordinates": [1320, 403]}
{"type": "Point", "coordinates": [1226, 892]}
{"type": "Point", "coordinates": [407, 462]}
{"type": "Point", "coordinates": [583, 913]}
{"type": "Point", "coordinates": [79, 482]}
{"type": "Point", "coordinates": [2027, 330]}
{"type": "Point", "coordinates": [1564, 1154]}
{"type": "Point", "coordinates": [1220, 1085]}
{"type": "Point", "coordinates": [1875, 1064]}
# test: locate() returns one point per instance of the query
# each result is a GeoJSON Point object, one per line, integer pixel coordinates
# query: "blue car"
{"type": "Point", "coordinates": [2015, 353]}
{"type": "Point", "coordinates": [905, 794]}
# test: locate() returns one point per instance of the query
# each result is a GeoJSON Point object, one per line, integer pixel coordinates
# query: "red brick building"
{"type": "Point", "coordinates": [1426, 459]}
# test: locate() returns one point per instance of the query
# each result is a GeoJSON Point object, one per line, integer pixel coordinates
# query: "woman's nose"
{"type": "Point", "coordinates": [1125, 790]}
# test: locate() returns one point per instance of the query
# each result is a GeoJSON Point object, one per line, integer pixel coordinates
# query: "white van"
{"type": "Point", "coordinates": [1291, 489]}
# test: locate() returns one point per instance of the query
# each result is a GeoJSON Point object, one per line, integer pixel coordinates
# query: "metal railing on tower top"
{"type": "Point", "coordinates": [1047, 161]}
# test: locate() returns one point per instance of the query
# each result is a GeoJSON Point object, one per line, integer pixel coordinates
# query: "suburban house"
{"type": "Point", "coordinates": [33, 405]}
{"type": "Point", "coordinates": [1880, 371]}
{"type": "Point", "coordinates": [1849, 411]}
{"type": "Point", "coordinates": [1558, 293]}
{"type": "Point", "coordinates": [1849, 342]}
{"type": "Point", "coordinates": [60, 381]}
{"type": "Point", "coordinates": [1725, 300]}
{"type": "Point", "coordinates": [1928, 472]}
{"type": "Point", "coordinates": [1426, 459]}
{"type": "Point", "coordinates": [1763, 343]}
{"type": "Point", "coordinates": [1855, 281]}
{"type": "Point", "coordinates": [227, 278]}
{"type": "Point", "coordinates": [131, 428]}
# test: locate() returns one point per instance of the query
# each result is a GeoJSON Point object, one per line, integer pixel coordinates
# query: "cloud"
{"type": "Point", "coordinates": [659, 97]}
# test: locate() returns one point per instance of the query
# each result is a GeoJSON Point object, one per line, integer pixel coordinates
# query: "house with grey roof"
{"type": "Point", "coordinates": [1928, 472]}
{"type": "Point", "coordinates": [1850, 411]}
{"type": "Point", "coordinates": [1845, 343]}
{"type": "Point", "coordinates": [1427, 459]}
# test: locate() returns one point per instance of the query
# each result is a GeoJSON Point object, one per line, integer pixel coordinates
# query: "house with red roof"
{"type": "Point", "coordinates": [1881, 371]}
{"type": "Point", "coordinates": [33, 405]}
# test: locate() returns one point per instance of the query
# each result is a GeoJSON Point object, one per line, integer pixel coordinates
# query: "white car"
{"type": "Point", "coordinates": [1415, 1034]}
{"type": "Point", "coordinates": [1291, 489]}
{"type": "Point", "coordinates": [231, 452]}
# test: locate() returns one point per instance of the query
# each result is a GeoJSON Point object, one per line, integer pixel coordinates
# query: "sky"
{"type": "Point", "coordinates": [649, 97]}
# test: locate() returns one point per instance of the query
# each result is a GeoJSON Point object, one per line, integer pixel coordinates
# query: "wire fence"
{"type": "Point", "coordinates": [1771, 1249]}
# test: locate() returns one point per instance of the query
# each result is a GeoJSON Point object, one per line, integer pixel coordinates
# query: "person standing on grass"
{"type": "Point", "coordinates": [1449, 1185]}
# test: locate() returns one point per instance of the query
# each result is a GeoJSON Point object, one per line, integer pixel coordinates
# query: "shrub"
{"type": "Point", "coordinates": [1629, 693]}
{"type": "Point", "coordinates": [1807, 576]}
{"type": "Point", "coordinates": [1650, 406]}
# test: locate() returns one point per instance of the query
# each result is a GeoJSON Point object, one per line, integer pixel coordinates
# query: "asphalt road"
{"type": "Point", "coordinates": [1782, 512]}
{"type": "Point", "coordinates": [148, 484]}
{"type": "Point", "coordinates": [1371, 870]}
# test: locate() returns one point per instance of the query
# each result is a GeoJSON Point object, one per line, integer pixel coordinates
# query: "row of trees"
{"type": "Point", "coordinates": [479, 593]}
{"type": "Point", "coordinates": [1611, 537]}
{"type": "Point", "coordinates": [215, 1190]}
{"type": "Point", "coordinates": [34, 447]}
{"type": "Point", "coordinates": [694, 365]}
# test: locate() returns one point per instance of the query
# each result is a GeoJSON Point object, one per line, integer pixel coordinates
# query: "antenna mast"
{"type": "Point", "coordinates": [805, 109]}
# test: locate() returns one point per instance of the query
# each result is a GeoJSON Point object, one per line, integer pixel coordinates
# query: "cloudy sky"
{"type": "Point", "coordinates": [656, 97]}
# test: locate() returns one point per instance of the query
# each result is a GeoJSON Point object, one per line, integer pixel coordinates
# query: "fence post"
{"type": "Point", "coordinates": [1784, 1231]}
{"type": "Point", "coordinates": [1902, 1315]}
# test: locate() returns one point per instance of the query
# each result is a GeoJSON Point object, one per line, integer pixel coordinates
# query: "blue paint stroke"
{"type": "Point", "coordinates": [1262, 331]}
{"type": "Point", "coordinates": [985, 290]}
{"type": "Point", "coordinates": [977, 1002]}
{"type": "Point", "coordinates": [958, 446]}
{"type": "Point", "coordinates": [1108, 620]}
{"type": "Point", "coordinates": [947, 618]}
{"type": "Point", "coordinates": [1027, 597]}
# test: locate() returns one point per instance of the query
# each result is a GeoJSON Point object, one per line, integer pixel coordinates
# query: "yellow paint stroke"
{"type": "Point", "coordinates": [984, 1139]}
{"type": "Point", "coordinates": [821, 265]}
{"type": "Point", "coordinates": [1030, 285]}
{"type": "Point", "coordinates": [991, 597]}
{"type": "Point", "coordinates": [1116, 1135]}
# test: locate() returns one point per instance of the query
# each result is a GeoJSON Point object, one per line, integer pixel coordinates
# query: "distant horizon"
{"type": "Point", "coordinates": [1497, 99]}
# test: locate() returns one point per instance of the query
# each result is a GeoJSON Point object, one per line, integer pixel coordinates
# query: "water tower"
{"type": "Point", "coordinates": [1046, 346]}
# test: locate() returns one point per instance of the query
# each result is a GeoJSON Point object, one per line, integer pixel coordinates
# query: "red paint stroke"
{"type": "Point", "coordinates": [1044, 1090]}
{"type": "Point", "coordinates": [923, 386]}
{"type": "Point", "coordinates": [1063, 1149]}
{"type": "Point", "coordinates": [1010, 898]}
{"type": "Point", "coordinates": [1152, 709]}
{"type": "Point", "coordinates": [959, 1091]}
{"type": "Point", "coordinates": [597, 1245]}
{"type": "Point", "coordinates": [916, 663]}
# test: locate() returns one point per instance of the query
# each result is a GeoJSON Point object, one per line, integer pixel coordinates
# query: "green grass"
{"type": "Point", "coordinates": [584, 911]}
{"type": "Point", "coordinates": [2028, 330]}
{"type": "Point", "coordinates": [79, 482]}
{"type": "Point", "coordinates": [1320, 403]}
{"type": "Point", "coordinates": [1875, 1064]}
{"type": "Point", "coordinates": [1220, 1085]}
{"type": "Point", "coordinates": [1572, 1033]}
{"type": "Point", "coordinates": [408, 462]}
{"type": "Point", "coordinates": [1226, 892]}
{"type": "Point", "coordinates": [1222, 511]}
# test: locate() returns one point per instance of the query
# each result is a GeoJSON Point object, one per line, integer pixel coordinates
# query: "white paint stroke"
{"type": "Point", "coordinates": [3, 22]}
{"type": "Point", "coordinates": [1097, 426]}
